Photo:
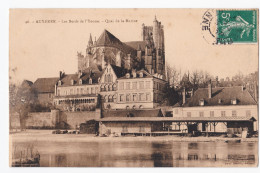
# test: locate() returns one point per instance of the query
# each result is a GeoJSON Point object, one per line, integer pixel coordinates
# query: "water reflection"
{"type": "Point", "coordinates": [146, 154]}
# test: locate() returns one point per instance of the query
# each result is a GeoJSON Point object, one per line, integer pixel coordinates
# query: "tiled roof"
{"type": "Point", "coordinates": [178, 119]}
{"type": "Point", "coordinates": [108, 39]}
{"type": "Point", "coordinates": [224, 94]}
{"type": "Point", "coordinates": [45, 85]}
{"type": "Point", "coordinates": [26, 84]}
{"type": "Point", "coordinates": [132, 113]}
{"type": "Point", "coordinates": [145, 75]}
{"type": "Point", "coordinates": [66, 80]}
{"type": "Point", "coordinates": [136, 44]}
{"type": "Point", "coordinates": [119, 71]}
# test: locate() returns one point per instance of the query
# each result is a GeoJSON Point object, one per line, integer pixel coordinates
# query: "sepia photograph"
{"type": "Point", "coordinates": [133, 87]}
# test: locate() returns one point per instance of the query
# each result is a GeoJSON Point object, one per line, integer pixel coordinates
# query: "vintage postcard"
{"type": "Point", "coordinates": [133, 87]}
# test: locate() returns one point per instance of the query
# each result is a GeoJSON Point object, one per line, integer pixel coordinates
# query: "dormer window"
{"type": "Point", "coordinates": [141, 74]}
{"type": "Point", "coordinates": [219, 101]}
{"type": "Point", "coordinates": [233, 101]}
{"type": "Point", "coordinates": [59, 83]}
{"type": "Point", "coordinates": [72, 82]}
{"type": "Point", "coordinates": [127, 75]}
{"type": "Point", "coordinates": [90, 81]}
{"type": "Point", "coordinates": [201, 102]}
{"type": "Point", "coordinates": [134, 74]}
{"type": "Point", "coordinates": [80, 81]}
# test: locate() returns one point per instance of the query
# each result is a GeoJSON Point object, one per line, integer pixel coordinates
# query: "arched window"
{"type": "Point", "coordinates": [105, 98]}
{"type": "Point", "coordinates": [106, 79]}
{"type": "Point", "coordinates": [134, 107]}
{"type": "Point", "coordinates": [114, 87]}
{"type": "Point", "coordinates": [110, 87]}
{"type": "Point", "coordinates": [141, 107]}
{"type": "Point", "coordinates": [114, 98]}
{"type": "Point", "coordinates": [80, 81]}
{"type": "Point", "coordinates": [110, 98]}
{"type": "Point", "coordinates": [102, 88]}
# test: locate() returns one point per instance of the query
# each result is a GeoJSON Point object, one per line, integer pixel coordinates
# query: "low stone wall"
{"type": "Point", "coordinates": [59, 119]}
{"type": "Point", "coordinates": [40, 120]}
{"type": "Point", "coordinates": [74, 119]}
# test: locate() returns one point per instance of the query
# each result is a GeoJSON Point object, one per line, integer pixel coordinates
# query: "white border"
{"type": "Point", "coordinates": [4, 52]}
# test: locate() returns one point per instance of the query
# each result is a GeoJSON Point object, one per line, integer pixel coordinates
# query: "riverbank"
{"type": "Point", "coordinates": [46, 135]}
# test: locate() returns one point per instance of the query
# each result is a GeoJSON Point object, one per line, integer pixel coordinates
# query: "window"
{"type": "Point", "coordinates": [141, 129]}
{"type": "Point", "coordinates": [134, 85]}
{"type": "Point", "coordinates": [127, 75]}
{"type": "Point", "coordinates": [234, 101]}
{"type": "Point", "coordinates": [121, 86]}
{"type": "Point", "coordinates": [90, 81]}
{"type": "Point", "coordinates": [219, 101]}
{"type": "Point", "coordinates": [87, 90]}
{"type": "Point", "coordinates": [223, 113]}
{"type": "Point", "coordinates": [141, 97]}
{"type": "Point", "coordinates": [141, 85]}
{"type": "Point", "coordinates": [188, 114]}
{"type": "Point", "coordinates": [110, 98]}
{"type": "Point", "coordinates": [148, 96]}
{"type": "Point", "coordinates": [211, 113]}
{"type": "Point", "coordinates": [58, 92]}
{"type": "Point", "coordinates": [201, 102]}
{"type": "Point", "coordinates": [248, 113]}
{"type": "Point", "coordinates": [201, 114]}
{"type": "Point", "coordinates": [59, 83]}
{"type": "Point", "coordinates": [81, 90]}
{"type": "Point", "coordinates": [128, 97]}
{"type": "Point", "coordinates": [234, 113]}
{"type": "Point", "coordinates": [77, 90]}
{"type": "Point", "coordinates": [114, 98]}
{"type": "Point", "coordinates": [134, 97]}
{"type": "Point", "coordinates": [127, 85]}
{"type": "Point", "coordinates": [141, 74]}
{"type": "Point", "coordinates": [124, 130]}
{"type": "Point", "coordinates": [114, 87]}
{"type": "Point", "coordinates": [80, 81]}
{"type": "Point", "coordinates": [147, 84]}
{"type": "Point", "coordinates": [121, 97]}
{"type": "Point", "coordinates": [105, 98]}
{"type": "Point", "coordinates": [92, 90]}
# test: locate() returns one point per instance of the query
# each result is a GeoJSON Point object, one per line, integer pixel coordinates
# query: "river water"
{"type": "Point", "coordinates": [146, 154]}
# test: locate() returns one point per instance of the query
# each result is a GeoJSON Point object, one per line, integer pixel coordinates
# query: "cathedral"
{"type": "Point", "coordinates": [148, 54]}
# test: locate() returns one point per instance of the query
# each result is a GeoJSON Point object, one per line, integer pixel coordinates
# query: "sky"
{"type": "Point", "coordinates": [39, 50]}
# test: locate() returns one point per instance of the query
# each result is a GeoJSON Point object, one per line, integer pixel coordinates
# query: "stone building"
{"type": "Point", "coordinates": [146, 54]}
{"type": "Point", "coordinates": [45, 89]}
{"type": "Point", "coordinates": [78, 92]}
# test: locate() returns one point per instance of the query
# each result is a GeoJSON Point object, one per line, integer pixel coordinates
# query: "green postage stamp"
{"type": "Point", "coordinates": [236, 26]}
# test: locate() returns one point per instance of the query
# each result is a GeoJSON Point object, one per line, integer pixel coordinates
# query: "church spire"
{"type": "Point", "coordinates": [90, 42]}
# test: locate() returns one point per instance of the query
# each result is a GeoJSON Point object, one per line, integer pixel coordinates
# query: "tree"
{"type": "Point", "coordinates": [172, 75]}
{"type": "Point", "coordinates": [21, 100]}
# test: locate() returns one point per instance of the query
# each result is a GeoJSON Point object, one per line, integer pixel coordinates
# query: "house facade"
{"type": "Point", "coordinates": [218, 110]}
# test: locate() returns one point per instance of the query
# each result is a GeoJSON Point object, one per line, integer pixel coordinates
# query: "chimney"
{"type": "Point", "coordinates": [209, 90]}
{"type": "Point", "coordinates": [183, 96]}
{"type": "Point", "coordinates": [60, 74]}
{"type": "Point", "coordinates": [79, 74]}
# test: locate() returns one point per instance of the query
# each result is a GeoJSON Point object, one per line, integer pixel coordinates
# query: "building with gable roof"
{"type": "Point", "coordinates": [217, 110]}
